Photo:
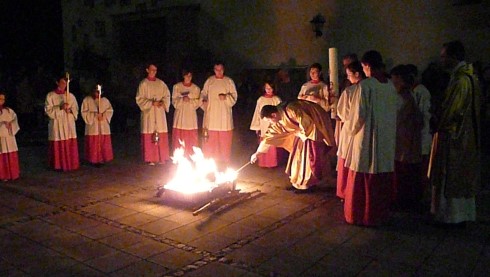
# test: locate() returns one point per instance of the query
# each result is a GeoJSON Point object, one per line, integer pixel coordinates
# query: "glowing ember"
{"type": "Point", "coordinates": [197, 174]}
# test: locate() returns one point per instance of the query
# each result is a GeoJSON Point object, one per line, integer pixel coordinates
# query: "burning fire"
{"type": "Point", "coordinates": [197, 174]}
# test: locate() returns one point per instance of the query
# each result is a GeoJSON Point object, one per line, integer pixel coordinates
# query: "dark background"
{"type": "Point", "coordinates": [31, 35]}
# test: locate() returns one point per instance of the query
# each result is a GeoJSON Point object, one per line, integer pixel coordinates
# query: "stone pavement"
{"type": "Point", "coordinates": [108, 222]}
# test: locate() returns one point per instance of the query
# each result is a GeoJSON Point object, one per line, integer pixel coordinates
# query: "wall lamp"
{"type": "Point", "coordinates": [317, 23]}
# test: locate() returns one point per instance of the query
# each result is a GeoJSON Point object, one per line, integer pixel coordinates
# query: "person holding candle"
{"type": "Point", "coordinates": [153, 99]}
{"type": "Point", "coordinates": [185, 99]}
{"type": "Point", "coordinates": [9, 158]}
{"type": "Point", "coordinates": [219, 95]}
{"type": "Point", "coordinates": [62, 109]}
{"type": "Point", "coordinates": [260, 125]}
{"type": "Point", "coordinates": [97, 113]}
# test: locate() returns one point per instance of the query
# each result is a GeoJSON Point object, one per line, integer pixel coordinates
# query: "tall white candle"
{"type": "Point", "coordinates": [67, 86]}
{"type": "Point", "coordinates": [99, 88]}
{"type": "Point", "coordinates": [333, 67]}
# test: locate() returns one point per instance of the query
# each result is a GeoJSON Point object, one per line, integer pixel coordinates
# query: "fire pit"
{"type": "Point", "coordinates": [199, 196]}
{"type": "Point", "coordinates": [197, 181]}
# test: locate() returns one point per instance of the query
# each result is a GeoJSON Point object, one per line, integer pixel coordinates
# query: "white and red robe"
{"type": "Point", "coordinates": [185, 116]}
{"type": "Point", "coordinates": [268, 159]}
{"type": "Point", "coordinates": [317, 92]}
{"type": "Point", "coordinates": [218, 117]}
{"type": "Point", "coordinates": [62, 133]}
{"type": "Point", "coordinates": [371, 154]}
{"type": "Point", "coordinates": [343, 109]}
{"type": "Point", "coordinates": [9, 158]}
{"type": "Point", "coordinates": [154, 120]}
{"type": "Point", "coordinates": [98, 143]}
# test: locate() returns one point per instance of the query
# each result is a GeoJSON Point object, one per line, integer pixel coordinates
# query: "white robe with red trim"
{"type": "Point", "coordinates": [61, 124]}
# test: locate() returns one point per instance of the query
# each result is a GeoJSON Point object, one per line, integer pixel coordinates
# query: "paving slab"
{"type": "Point", "coordinates": [109, 222]}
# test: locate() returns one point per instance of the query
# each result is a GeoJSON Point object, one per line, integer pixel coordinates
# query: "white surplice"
{"type": "Point", "coordinates": [90, 109]}
{"type": "Point", "coordinates": [218, 115]}
{"type": "Point", "coordinates": [185, 116]}
{"type": "Point", "coordinates": [61, 124]}
{"type": "Point", "coordinates": [153, 118]}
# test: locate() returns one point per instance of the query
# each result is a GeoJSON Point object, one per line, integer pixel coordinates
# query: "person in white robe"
{"type": "Point", "coordinates": [219, 95]}
{"type": "Point", "coordinates": [317, 91]}
{"type": "Point", "coordinates": [9, 157]}
{"type": "Point", "coordinates": [186, 100]}
{"type": "Point", "coordinates": [354, 75]}
{"type": "Point", "coordinates": [371, 154]}
{"type": "Point", "coordinates": [62, 109]}
{"type": "Point", "coordinates": [97, 113]}
{"type": "Point", "coordinates": [260, 125]}
{"type": "Point", "coordinates": [153, 99]}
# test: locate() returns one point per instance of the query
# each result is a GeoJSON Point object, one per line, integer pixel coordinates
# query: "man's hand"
{"type": "Point", "coordinates": [186, 99]}
{"type": "Point", "coordinates": [253, 158]}
{"type": "Point", "coordinates": [302, 136]}
{"type": "Point", "coordinates": [222, 96]}
{"type": "Point", "coordinates": [100, 117]}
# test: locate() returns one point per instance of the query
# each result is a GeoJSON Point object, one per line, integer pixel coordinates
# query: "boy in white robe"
{"type": "Point", "coordinates": [219, 95]}
{"type": "Point", "coordinates": [97, 113]}
{"type": "Point", "coordinates": [371, 155]}
{"type": "Point", "coordinates": [62, 109]}
{"type": "Point", "coordinates": [153, 99]}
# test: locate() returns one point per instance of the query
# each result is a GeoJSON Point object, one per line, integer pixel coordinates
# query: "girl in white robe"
{"type": "Point", "coordinates": [354, 75]}
{"type": "Point", "coordinates": [260, 126]}
{"type": "Point", "coordinates": [9, 158]}
{"type": "Point", "coordinates": [185, 99]}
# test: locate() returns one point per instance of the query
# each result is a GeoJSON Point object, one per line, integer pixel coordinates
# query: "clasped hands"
{"type": "Point", "coordinates": [100, 116]}
{"type": "Point", "coordinates": [222, 96]}
{"type": "Point", "coordinates": [157, 103]}
{"type": "Point", "coordinates": [66, 107]}
{"type": "Point", "coordinates": [7, 124]}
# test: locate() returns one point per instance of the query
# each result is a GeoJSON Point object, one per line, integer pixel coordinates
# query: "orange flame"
{"type": "Point", "coordinates": [199, 174]}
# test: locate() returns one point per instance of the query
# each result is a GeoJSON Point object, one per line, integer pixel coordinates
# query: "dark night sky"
{"type": "Point", "coordinates": [31, 35]}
